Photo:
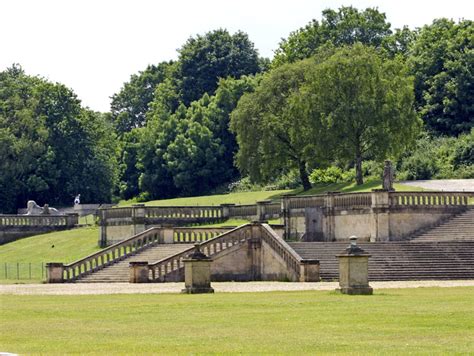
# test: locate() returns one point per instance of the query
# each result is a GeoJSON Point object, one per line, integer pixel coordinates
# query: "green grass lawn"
{"type": "Point", "coordinates": [393, 321]}
{"type": "Point", "coordinates": [236, 198]}
{"type": "Point", "coordinates": [253, 197]}
{"type": "Point", "coordinates": [60, 246]}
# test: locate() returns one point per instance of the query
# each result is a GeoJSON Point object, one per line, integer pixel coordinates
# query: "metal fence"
{"type": "Point", "coordinates": [23, 271]}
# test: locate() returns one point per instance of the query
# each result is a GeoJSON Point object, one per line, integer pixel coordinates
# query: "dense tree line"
{"type": "Point", "coordinates": [51, 147]}
{"type": "Point", "coordinates": [342, 90]}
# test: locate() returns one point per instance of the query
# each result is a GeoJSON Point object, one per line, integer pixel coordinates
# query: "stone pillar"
{"type": "Point", "coordinates": [309, 271]}
{"type": "Point", "coordinates": [329, 218]}
{"type": "Point", "coordinates": [380, 230]}
{"type": "Point", "coordinates": [262, 209]}
{"type": "Point", "coordinates": [138, 218]}
{"type": "Point", "coordinates": [255, 250]}
{"type": "Point", "coordinates": [197, 273]}
{"type": "Point", "coordinates": [226, 210]}
{"type": "Point", "coordinates": [354, 270]}
{"type": "Point", "coordinates": [286, 212]}
{"type": "Point", "coordinates": [103, 229]}
{"type": "Point", "coordinates": [72, 219]}
{"type": "Point", "coordinates": [54, 272]}
{"type": "Point", "coordinates": [168, 235]}
{"type": "Point", "coordinates": [139, 272]}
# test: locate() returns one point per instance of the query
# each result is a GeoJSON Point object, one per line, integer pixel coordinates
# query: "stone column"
{"type": "Point", "coordinates": [139, 272]}
{"type": "Point", "coordinates": [262, 209]}
{"type": "Point", "coordinates": [309, 270]}
{"type": "Point", "coordinates": [197, 273]}
{"type": "Point", "coordinates": [226, 210]}
{"type": "Point", "coordinates": [380, 230]}
{"type": "Point", "coordinates": [103, 228]}
{"type": "Point", "coordinates": [72, 219]}
{"type": "Point", "coordinates": [354, 270]}
{"type": "Point", "coordinates": [54, 272]}
{"type": "Point", "coordinates": [168, 235]}
{"type": "Point", "coordinates": [286, 212]}
{"type": "Point", "coordinates": [138, 218]}
{"type": "Point", "coordinates": [329, 226]}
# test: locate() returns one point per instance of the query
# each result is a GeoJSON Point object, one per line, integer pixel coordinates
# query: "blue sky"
{"type": "Point", "coordinates": [93, 46]}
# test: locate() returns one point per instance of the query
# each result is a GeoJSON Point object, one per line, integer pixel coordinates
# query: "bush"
{"type": "Point", "coordinates": [332, 174]}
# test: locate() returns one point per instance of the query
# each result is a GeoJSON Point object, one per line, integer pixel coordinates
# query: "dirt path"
{"type": "Point", "coordinates": [453, 185]}
{"type": "Point", "coordinates": [223, 287]}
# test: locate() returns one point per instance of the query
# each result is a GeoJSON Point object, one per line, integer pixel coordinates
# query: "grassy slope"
{"type": "Point", "coordinates": [68, 246]}
{"type": "Point", "coordinates": [392, 321]}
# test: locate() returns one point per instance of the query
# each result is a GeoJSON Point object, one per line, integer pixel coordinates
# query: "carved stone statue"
{"type": "Point", "coordinates": [388, 175]}
{"type": "Point", "coordinates": [77, 199]}
{"type": "Point", "coordinates": [34, 209]}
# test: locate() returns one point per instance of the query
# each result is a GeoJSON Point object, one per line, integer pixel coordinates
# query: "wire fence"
{"type": "Point", "coordinates": [23, 271]}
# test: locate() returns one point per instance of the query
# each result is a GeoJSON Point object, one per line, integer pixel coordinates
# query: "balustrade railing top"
{"type": "Point", "coordinates": [112, 254]}
{"type": "Point", "coordinates": [33, 220]}
{"type": "Point", "coordinates": [431, 198]}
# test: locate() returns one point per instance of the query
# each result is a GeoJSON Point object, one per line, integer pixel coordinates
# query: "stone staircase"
{"type": "Point", "coordinates": [119, 272]}
{"type": "Point", "coordinates": [460, 227]}
{"type": "Point", "coordinates": [393, 261]}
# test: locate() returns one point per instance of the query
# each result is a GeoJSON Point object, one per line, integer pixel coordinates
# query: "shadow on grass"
{"type": "Point", "coordinates": [333, 187]}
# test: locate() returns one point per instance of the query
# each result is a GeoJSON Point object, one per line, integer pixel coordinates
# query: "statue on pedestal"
{"type": "Point", "coordinates": [388, 175]}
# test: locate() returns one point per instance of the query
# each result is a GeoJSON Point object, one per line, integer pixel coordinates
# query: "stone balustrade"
{"type": "Point", "coordinates": [39, 220]}
{"type": "Point", "coordinates": [430, 198]}
{"type": "Point", "coordinates": [160, 269]}
{"type": "Point", "coordinates": [112, 254]}
{"type": "Point", "coordinates": [196, 234]}
{"type": "Point", "coordinates": [296, 268]}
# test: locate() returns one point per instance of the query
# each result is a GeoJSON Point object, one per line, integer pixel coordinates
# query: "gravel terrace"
{"type": "Point", "coordinates": [452, 185]}
{"type": "Point", "coordinates": [221, 287]}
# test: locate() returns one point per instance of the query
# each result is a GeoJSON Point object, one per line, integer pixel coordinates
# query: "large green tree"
{"type": "Point", "coordinates": [130, 105]}
{"type": "Point", "coordinates": [442, 61]}
{"type": "Point", "coordinates": [346, 26]}
{"type": "Point", "coordinates": [365, 101]}
{"type": "Point", "coordinates": [217, 54]}
{"type": "Point", "coordinates": [272, 140]}
{"type": "Point", "coordinates": [51, 147]}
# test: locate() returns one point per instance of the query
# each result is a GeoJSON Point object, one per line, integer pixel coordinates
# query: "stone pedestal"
{"type": "Point", "coordinates": [309, 271]}
{"type": "Point", "coordinates": [197, 273]}
{"type": "Point", "coordinates": [354, 270]}
{"type": "Point", "coordinates": [138, 218]}
{"type": "Point", "coordinates": [54, 272]}
{"type": "Point", "coordinates": [139, 272]}
{"type": "Point", "coordinates": [226, 210]}
{"type": "Point", "coordinates": [72, 219]}
{"type": "Point", "coordinates": [262, 209]}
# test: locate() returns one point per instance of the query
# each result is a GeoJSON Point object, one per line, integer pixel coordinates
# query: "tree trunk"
{"type": "Point", "coordinates": [304, 175]}
{"type": "Point", "coordinates": [359, 177]}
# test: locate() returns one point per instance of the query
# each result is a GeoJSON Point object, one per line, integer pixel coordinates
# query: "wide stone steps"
{"type": "Point", "coordinates": [398, 260]}
{"type": "Point", "coordinates": [460, 227]}
{"type": "Point", "coordinates": [119, 272]}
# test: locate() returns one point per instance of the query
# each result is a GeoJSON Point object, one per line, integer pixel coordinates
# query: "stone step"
{"type": "Point", "coordinates": [398, 260]}
{"type": "Point", "coordinates": [119, 272]}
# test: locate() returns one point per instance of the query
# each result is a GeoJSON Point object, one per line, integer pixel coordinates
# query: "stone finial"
{"type": "Point", "coordinates": [197, 254]}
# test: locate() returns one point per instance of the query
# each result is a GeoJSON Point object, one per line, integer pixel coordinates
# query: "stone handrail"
{"type": "Point", "coordinates": [242, 210]}
{"type": "Point", "coordinates": [183, 212]}
{"type": "Point", "coordinates": [196, 234]}
{"type": "Point", "coordinates": [430, 198]}
{"type": "Point", "coordinates": [353, 200]}
{"type": "Point", "coordinates": [116, 213]}
{"type": "Point", "coordinates": [306, 201]}
{"type": "Point", "coordinates": [112, 254]}
{"type": "Point", "coordinates": [38, 220]}
{"type": "Point", "coordinates": [291, 258]}
{"type": "Point", "coordinates": [273, 209]}
{"type": "Point", "coordinates": [210, 247]}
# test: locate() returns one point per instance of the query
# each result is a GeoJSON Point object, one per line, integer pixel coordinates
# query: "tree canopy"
{"type": "Point", "coordinates": [52, 148]}
{"type": "Point", "coordinates": [346, 26]}
{"type": "Point", "coordinates": [442, 61]}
